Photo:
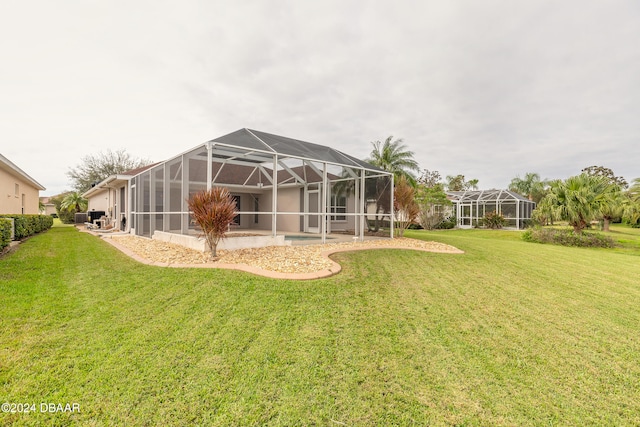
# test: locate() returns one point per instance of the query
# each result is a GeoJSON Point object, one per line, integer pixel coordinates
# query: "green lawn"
{"type": "Point", "coordinates": [510, 333]}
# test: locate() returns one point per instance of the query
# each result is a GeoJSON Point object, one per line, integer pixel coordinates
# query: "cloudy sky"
{"type": "Point", "coordinates": [489, 89]}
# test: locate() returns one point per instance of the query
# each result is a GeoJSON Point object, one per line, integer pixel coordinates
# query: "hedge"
{"type": "Point", "coordinates": [5, 233]}
{"type": "Point", "coordinates": [567, 238]}
{"type": "Point", "coordinates": [27, 225]}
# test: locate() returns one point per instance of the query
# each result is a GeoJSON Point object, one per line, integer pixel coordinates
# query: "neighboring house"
{"type": "Point", "coordinates": [19, 193]}
{"type": "Point", "coordinates": [471, 206]}
{"type": "Point", "coordinates": [280, 185]}
{"type": "Point", "coordinates": [48, 207]}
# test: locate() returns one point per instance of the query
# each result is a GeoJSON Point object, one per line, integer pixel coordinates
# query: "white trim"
{"type": "Point", "coordinates": [21, 174]}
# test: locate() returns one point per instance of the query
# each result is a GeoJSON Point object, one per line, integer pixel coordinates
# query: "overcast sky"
{"type": "Point", "coordinates": [489, 89]}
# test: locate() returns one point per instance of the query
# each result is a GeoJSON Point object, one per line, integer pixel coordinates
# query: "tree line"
{"type": "Point", "coordinates": [596, 194]}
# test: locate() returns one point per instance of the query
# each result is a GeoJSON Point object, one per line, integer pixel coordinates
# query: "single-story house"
{"type": "Point", "coordinates": [19, 193]}
{"type": "Point", "coordinates": [472, 205]}
{"type": "Point", "coordinates": [48, 207]}
{"type": "Point", "coordinates": [280, 184]}
{"type": "Point", "coordinates": [110, 197]}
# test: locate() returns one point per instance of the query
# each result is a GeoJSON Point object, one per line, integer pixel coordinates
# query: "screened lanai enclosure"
{"type": "Point", "coordinates": [280, 185]}
{"type": "Point", "coordinates": [471, 206]}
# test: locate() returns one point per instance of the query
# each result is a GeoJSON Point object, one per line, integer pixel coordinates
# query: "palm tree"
{"type": "Point", "coordinates": [404, 204]}
{"type": "Point", "coordinates": [634, 191]}
{"type": "Point", "coordinates": [612, 209]}
{"type": "Point", "coordinates": [579, 199]}
{"type": "Point", "coordinates": [74, 202]}
{"type": "Point", "coordinates": [458, 183]}
{"type": "Point", "coordinates": [391, 156]}
{"type": "Point", "coordinates": [632, 204]}
{"type": "Point", "coordinates": [530, 186]}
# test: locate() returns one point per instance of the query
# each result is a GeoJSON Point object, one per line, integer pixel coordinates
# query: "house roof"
{"type": "Point", "coordinates": [484, 195]}
{"type": "Point", "coordinates": [266, 143]}
{"type": "Point", "coordinates": [246, 158]}
{"type": "Point", "coordinates": [136, 171]}
{"type": "Point", "coordinates": [117, 179]}
{"type": "Point", "coordinates": [8, 166]}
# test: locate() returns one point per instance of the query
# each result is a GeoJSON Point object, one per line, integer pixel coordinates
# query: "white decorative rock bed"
{"type": "Point", "coordinates": [229, 243]}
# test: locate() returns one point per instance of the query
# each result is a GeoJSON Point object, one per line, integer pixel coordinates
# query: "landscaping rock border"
{"type": "Point", "coordinates": [283, 262]}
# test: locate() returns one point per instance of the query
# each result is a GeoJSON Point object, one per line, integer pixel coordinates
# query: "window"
{"type": "Point", "coordinates": [338, 206]}
{"type": "Point", "coordinates": [17, 190]}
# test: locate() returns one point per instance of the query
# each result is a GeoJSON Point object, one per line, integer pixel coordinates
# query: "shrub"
{"type": "Point", "coordinates": [28, 225]}
{"type": "Point", "coordinates": [214, 210]}
{"type": "Point", "coordinates": [447, 223]}
{"type": "Point", "coordinates": [5, 233]}
{"type": "Point", "coordinates": [494, 220]}
{"type": "Point", "coordinates": [567, 238]}
{"type": "Point", "coordinates": [404, 204]}
{"type": "Point", "coordinates": [67, 217]}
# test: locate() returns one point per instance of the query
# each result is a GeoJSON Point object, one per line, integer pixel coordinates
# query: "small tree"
{"type": "Point", "coordinates": [404, 204]}
{"type": "Point", "coordinates": [430, 178]}
{"type": "Point", "coordinates": [431, 199]}
{"type": "Point", "coordinates": [66, 216]}
{"type": "Point", "coordinates": [214, 210]}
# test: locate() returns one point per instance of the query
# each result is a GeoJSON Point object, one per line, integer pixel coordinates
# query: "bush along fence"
{"type": "Point", "coordinates": [23, 226]}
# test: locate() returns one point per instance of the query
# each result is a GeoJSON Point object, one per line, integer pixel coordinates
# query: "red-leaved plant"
{"type": "Point", "coordinates": [406, 208]}
{"type": "Point", "coordinates": [214, 210]}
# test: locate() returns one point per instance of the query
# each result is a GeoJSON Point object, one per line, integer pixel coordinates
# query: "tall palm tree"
{"type": "Point", "coordinates": [530, 186]}
{"type": "Point", "coordinates": [391, 156]}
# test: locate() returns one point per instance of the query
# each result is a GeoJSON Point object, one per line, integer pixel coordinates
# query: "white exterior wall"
{"type": "Point", "coordinates": [99, 201]}
{"type": "Point", "coordinates": [288, 201]}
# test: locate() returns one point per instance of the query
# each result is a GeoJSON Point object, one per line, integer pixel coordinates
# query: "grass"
{"type": "Point", "coordinates": [510, 333]}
